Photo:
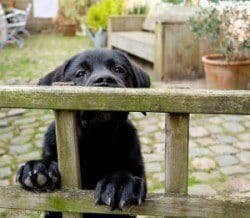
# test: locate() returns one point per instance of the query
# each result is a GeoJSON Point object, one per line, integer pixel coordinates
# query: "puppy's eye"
{"type": "Point", "coordinates": [119, 69]}
{"type": "Point", "coordinates": [80, 73]}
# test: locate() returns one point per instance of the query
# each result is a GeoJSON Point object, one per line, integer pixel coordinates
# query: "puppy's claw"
{"type": "Point", "coordinates": [19, 173]}
{"type": "Point", "coordinates": [122, 203]}
{"type": "Point", "coordinates": [18, 177]}
{"type": "Point", "coordinates": [97, 201]}
{"type": "Point", "coordinates": [109, 201]}
{"type": "Point", "coordinates": [139, 202]}
{"type": "Point", "coordinates": [50, 174]}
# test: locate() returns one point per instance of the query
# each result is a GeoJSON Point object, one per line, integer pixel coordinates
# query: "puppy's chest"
{"type": "Point", "coordinates": [99, 147]}
{"type": "Point", "coordinates": [103, 147]}
{"type": "Point", "coordinates": [100, 156]}
{"type": "Point", "coordinates": [99, 143]}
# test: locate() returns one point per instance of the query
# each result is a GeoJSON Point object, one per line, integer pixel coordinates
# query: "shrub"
{"type": "Point", "coordinates": [135, 7]}
{"type": "Point", "coordinates": [97, 15]}
{"type": "Point", "coordinates": [227, 27]}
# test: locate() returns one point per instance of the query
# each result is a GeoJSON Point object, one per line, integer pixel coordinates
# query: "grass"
{"type": "Point", "coordinates": [193, 181]}
{"type": "Point", "coordinates": [40, 55]}
{"type": "Point", "coordinates": [223, 177]}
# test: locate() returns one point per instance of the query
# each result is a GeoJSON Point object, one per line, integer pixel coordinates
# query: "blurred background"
{"type": "Point", "coordinates": [172, 40]}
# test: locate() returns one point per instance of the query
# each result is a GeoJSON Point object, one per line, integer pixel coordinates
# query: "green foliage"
{"type": "Point", "coordinates": [223, 177]}
{"type": "Point", "coordinates": [139, 10]}
{"type": "Point", "coordinates": [175, 2]}
{"type": "Point", "coordinates": [227, 28]}
{"type": "Point", "coordinates": [97, 16]}
{"type": "Point", "coordinates": [206, 24]}
{"type": "Point", "coordinates": [193, 181]}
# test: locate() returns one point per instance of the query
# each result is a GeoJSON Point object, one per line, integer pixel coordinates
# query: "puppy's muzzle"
{"type": "Point", "coordinates": [106, 81]}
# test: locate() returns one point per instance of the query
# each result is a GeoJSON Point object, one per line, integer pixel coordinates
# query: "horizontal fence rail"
{"type": "Point", "coordinates": [118, 99]}
{"type": "Point", "coordinates": [73, 200]}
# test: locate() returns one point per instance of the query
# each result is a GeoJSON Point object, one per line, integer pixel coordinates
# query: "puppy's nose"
{"type": "Point", "coordinates": [105, 79]}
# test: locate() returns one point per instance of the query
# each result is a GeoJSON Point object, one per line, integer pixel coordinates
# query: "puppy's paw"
{"type": "Point", "coordinates": [39, 175]}
{"type": "Point", "coordinates": [117, 191]}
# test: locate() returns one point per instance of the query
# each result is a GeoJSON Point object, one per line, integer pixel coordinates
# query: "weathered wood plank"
{"type": "Point", "coordinates": [118, 99]}
{"type": "Point", "coordinates": [124, 23]}
{"type": "Point", "coordinates": [67, 149]}
{"type": "Point", "coordinates": [176, 151]}
{"type": "Point", "coordinates": [67, 152]}
{"type": "Point", "coordinates": [138, 43]}
{"type": "Point", "coordinates": [159, 56]}
{"type": "Point", "coordinates": [155, 204]}
{"type": "Point", "coordinates": [181, 52]}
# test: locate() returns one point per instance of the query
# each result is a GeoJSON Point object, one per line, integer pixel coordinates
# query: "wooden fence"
{"type": "Point", "coordinates": [176, 103]}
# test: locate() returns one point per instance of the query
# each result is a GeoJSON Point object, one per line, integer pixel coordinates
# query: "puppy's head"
{"type": "Point", "coordinates": [99, 68]}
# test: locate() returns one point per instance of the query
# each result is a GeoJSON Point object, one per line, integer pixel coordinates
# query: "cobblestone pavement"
{"type": "Point", "coordinates": [219, 149]}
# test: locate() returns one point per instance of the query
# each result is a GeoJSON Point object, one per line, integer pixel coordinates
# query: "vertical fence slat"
{"type": "Point", "coordinates": [67, 152]}
{"type": "Point", "coordinates": [176, 153]}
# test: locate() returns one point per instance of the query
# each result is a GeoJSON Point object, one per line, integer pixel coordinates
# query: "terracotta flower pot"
{"type": "Point", "coordinates": [68, 29]}
{"type": "Point", "coordinates": [221, 74]}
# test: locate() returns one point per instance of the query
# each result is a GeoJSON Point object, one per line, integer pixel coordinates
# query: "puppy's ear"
{"type": "Point", "coordinates": [56, 75]}
{"type": "Point", "coordinates": [141, 78]}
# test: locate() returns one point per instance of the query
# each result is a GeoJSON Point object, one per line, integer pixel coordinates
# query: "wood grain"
{"type": "Point", "coordinates": [176, 153]}
{"type": "Point", "coordinates": [128, 99]}
{"type": "Point", "coordinates": [67, 152]}
{"type": "Point", "coordinates": [181, 52]}
{"type": "Point", "coordinates": [73, 200]}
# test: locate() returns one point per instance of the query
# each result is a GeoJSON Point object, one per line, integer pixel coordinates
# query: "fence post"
{"type": "Point", "coordinates": [176, 153]}
{"type": "Point", "coordinates": [67, 152]}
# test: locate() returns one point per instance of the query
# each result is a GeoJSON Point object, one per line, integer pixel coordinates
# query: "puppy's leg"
{"type": "Point", "coordinates": [42, 175]}
{"type": "Point", "coordinates": [127, 183]}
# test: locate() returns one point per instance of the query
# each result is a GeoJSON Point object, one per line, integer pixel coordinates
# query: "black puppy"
{"type": "Point", "coordinates": [108, 143]}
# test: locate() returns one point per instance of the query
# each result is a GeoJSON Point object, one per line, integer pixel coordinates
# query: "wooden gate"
{"type": "Point", "coordinates": [178, 104]}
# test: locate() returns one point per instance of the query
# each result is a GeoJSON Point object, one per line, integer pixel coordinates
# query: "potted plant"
{"type": "Point", "coordinates": [228, 30]}
{"type": "Point", "coordinates": [68, 16]}
{"type": "Point", "coordinates": [97, 19]}
{"type": "Point", "coordinates": [132, 7]}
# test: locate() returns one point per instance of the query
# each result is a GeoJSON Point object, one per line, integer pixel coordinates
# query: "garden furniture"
{"type": "Point", "coordinates": [165, 41]}
{"type": "Point", "coordinates": [16, 21]}
{"type": "Point", "coordinates": [3, 28]}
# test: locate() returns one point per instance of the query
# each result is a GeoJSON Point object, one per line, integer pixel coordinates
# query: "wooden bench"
{"type": "Point", "coordinates": [178, 104]}
{"type": "Point", "coordinates": [169, 46]}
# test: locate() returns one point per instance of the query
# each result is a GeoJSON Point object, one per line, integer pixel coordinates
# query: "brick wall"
{"type": "Point", "coordinates": [34, 24]}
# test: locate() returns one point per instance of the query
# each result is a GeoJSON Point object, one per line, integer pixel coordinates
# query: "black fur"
{"type": "Point", "coordinates": [108, 143]}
